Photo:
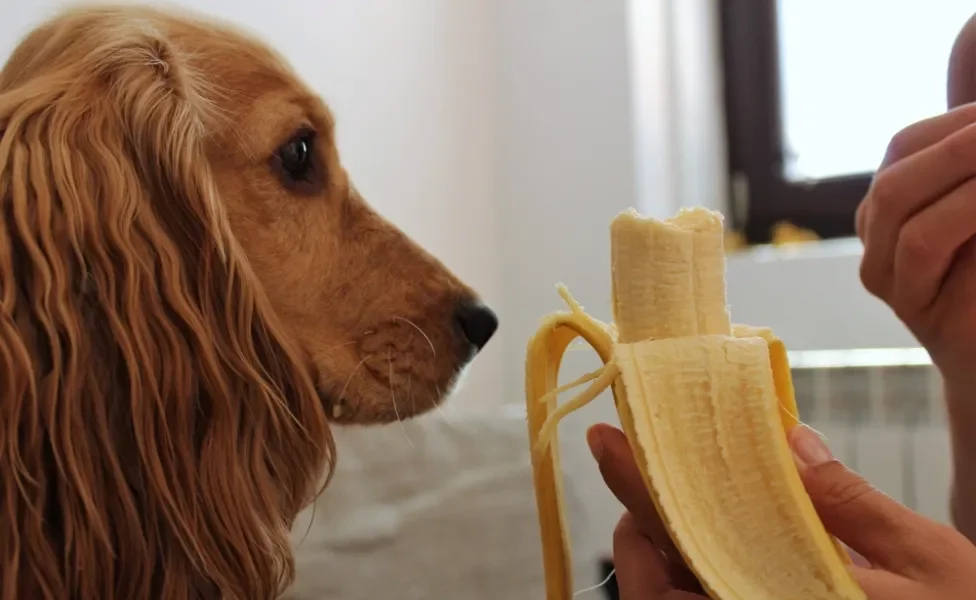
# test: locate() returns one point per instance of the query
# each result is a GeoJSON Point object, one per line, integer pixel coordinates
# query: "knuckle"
{"type": "Point", "coordinates": [842, 492]}
{"type": "Point", "coordinates": [960, 146]}
{"type": "Point", "coordinates": [946, 536]}
{"type": "Point", "coordinates": [872, 273]}
{"type": "Point", "coordinates": [861, 219]}
{"type": "Point", "coordinates": [902, 144]}
{"type": "Point", "coordinates": [875, 274]}
{"type": "Point", "coordinates": [626, 526]}
{"type": "Point", "coordinates": [914, 247]}
{"type": "Point", "coordinates": [872, 277]}
{"type": "Point", "coordinates": [943, 547]}
{"type": "Point", "coordinates": [883, 192]}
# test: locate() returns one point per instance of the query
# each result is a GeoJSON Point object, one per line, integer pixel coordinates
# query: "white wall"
{"type": "Point", "coordinates": [578, 143]}
{"type": "Point", "coordinates": [566, 156]}
{"type": "Point", "coordinates": [411, 83]}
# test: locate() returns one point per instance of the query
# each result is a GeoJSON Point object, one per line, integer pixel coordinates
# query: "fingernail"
{"type": "Point", "coordinates": [809, 448]}
{"type": "Point", "coordinates": [595, 441]}
{"type": "Point", "coordinates": [858, 559]}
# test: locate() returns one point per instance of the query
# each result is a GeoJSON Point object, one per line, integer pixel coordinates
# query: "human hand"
{"type": "Point", "coordinates": [905, 555]}
{"type": "Point", "coordinates": [918, 225]}
{"type": "Point", "coordinates": [646, 563]}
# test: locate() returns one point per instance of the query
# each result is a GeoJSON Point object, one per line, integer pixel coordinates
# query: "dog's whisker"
{"type": "Point", "coordinates": [444, 416]}
{"type": "Point", "coordinates": [451, 406]}
{"type": "Point", "coordinates": [440, 407]}
{"type": "Point", "coordinates": [245, 145]}
{"type": "Point", "coordinates": [422, 332]}
{"type": "Point", "coordinates": [396, 411]}
{"type": "Point", "coordinates": [337, 346]}
{"type": "Point", "coordinates": [339, 400]}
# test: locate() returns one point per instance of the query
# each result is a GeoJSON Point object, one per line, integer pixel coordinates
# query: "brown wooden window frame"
{"type": "Point", "coordinates": [760, 194]}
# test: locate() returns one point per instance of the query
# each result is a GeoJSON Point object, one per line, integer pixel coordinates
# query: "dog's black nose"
{"type": "Point", "coordinates": [477, 322]}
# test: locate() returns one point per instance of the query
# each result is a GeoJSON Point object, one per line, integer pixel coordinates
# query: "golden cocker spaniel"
{"type": "Point", "coordinates": [190, 291]}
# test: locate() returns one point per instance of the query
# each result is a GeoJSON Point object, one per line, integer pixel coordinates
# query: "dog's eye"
{"type": "Point", "coordinates": [298, 164]}
{"type": "Point", "coordinates": [296, 156]}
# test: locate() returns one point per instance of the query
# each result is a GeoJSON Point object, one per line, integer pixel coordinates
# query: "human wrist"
{"type": "Point", "coordinates": [960, 405]}
{"type": "Point", "coordinates": [960, 400]}
{"type": "Point", "coordinates": [962, 506]}
{"type": "Point", "coordinates": [959, 390]}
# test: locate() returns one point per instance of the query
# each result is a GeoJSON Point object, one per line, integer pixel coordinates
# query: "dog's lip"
{"type": "Point", "coordinates": [335, 406]}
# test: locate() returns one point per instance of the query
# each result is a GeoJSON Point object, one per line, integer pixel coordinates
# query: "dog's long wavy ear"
{"type": "Point", "coordinates": [157, 433]}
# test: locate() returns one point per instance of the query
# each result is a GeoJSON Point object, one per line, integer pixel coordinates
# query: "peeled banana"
{"type": "Point", "coordinates": [706, 406]}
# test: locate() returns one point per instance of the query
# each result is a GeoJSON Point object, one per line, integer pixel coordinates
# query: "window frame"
{"type": "Point", "coordinates": [760, 195]}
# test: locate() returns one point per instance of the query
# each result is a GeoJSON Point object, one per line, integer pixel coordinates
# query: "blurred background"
{"type": "Point", "coordinates": [505, 134]}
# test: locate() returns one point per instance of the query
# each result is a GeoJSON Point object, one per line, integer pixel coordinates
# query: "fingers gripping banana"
{"type": "Point", "coordinates": [706, 406]}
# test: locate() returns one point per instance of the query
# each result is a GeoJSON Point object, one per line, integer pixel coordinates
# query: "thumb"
{"type": "Point", "coordinates": [871, 523]}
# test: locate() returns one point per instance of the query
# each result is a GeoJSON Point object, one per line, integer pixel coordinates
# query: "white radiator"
{"type": "Point", "coordinates": [884, 420]}
{"type": "Point", "coordinates": [912, 465]}
{"type": "Point", "coordinates": [881, 412]}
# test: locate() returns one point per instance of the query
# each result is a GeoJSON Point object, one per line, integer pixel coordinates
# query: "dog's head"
{"type": "Point", "coordinates": [190, 288]}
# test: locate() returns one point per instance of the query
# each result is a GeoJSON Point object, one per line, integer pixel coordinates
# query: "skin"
{"type": "Point", "coordinates": [917, 224]}
{"type": "Point", "coordinates": [960, 388]}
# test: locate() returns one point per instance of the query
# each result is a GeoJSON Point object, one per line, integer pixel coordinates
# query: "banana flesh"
{"type": "Point", "coordinates": [706, 406]}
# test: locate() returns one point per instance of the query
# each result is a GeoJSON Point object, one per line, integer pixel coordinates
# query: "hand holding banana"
{"type": "Point", "coordinates": [708, 413]}
{"type": "Point", "coordinates": [918, 225]}
{"type": "Point", "coordinates": [706, 406]}
{"type": "Point", "coordinates": [905, 556]}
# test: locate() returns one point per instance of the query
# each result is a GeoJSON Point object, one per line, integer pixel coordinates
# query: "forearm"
{"type": "Point", "coordinates": [961, 406]}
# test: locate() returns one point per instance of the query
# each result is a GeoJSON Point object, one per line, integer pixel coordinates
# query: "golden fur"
{"type": "Point", "coordinates": [181, 315]}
